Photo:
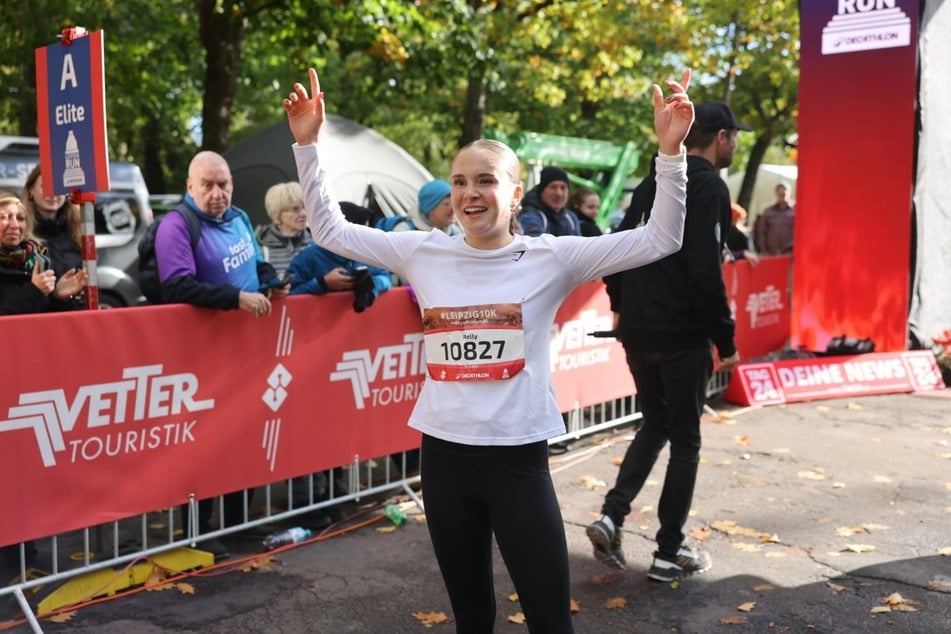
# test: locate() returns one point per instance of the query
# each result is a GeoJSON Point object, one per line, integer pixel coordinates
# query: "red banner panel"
{"type": "Point", "coordinates": [857, 92]}
{"type": "Point", "coordinates": [833, 377]}
{"type": "Point", "coordinates": [759, 299]}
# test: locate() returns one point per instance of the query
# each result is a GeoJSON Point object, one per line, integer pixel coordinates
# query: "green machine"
{"type": "Point", "coordinates": [608, 164]}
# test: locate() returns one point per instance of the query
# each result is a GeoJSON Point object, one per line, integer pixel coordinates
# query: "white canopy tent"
{"type": "Point", "coordinates": [364, 166]}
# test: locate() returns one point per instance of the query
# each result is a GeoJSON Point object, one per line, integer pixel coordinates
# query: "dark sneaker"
{"type": "Point", "coordinates": [607, 543]}
{"type": "Point", "coordinates": [687, 562]}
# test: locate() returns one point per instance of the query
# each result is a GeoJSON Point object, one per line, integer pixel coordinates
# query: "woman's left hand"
{"type": "Point", "coordinates": [673, 116]}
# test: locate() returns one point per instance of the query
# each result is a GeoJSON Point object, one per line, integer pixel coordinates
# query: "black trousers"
{"type": "Point", "coordinates": [671, 390]}
{"type": "Point", "coordinates": [473, 492]}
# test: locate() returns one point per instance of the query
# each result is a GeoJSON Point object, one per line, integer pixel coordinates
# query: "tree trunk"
{"type": "Point", "coordinates": [473, 125]}
{"type": "Point", "coordinates": [222, 35]}
{"type": "Point", "coordinates": [27, 104]}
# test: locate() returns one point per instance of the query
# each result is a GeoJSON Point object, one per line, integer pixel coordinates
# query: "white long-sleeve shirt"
{"type": "Point", "coordinates": [533, 273]}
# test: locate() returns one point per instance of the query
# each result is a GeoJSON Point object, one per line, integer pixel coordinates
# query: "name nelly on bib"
{"type": "Point", "coordinates": [474, 343]}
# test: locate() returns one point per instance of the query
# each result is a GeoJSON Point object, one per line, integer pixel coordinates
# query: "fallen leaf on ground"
{"type": "Point", "coordinates": [882, 479]}
{"type": "Point", "coordinates": [615, 602]}
{"type": "Point", "coordinates": [386, 529]}
{"type": "Point", "coordinates": [848, 531]}
{"type": "Point", "coordinates": [160, 587]}
{"type": "Point", "coordinates": [430, 618]}
{"type": "Point", "coordinates": [185, 588]}
{"type": "Point", "coordinates": [945, 551]}
{"type": "Point", "coordinates": [701, 533]}
{"type": "Point", "coordinates": [513, 597]}
{"type": "Point", "coordinates": [732, 528]}
{"type": "Point", "coordinates": [263, 563]}
{"type": "Point", "coordinates": [722, 463]}
{"type": "Point", "coordinates": [880, 609]}
{"type": "Point", "coordinates": [746, 607]}
{"type": "Point", "coordinates": [734, 619]}
{"type": "Point", "coordinates": [774, 555]}
{"type": "Point", "coordinates": [836, 587]}
{"type": "Point", "coordinates": [944, 456]}
{"type": "Point", "coordinates": [741, 440]}
{"type": "Point", "coordinates": [617, 461]}
{"type": "Point", "coordinates": [838, 485]}
{"type": "Point", "coordinates": [782, 450]}
{"type": "Point", "coordinates": [592, 482]}
{"type": "Point", "coordinates": [764, 587]}
{"type": "Point", "coordinates": [749, 548]}
{"type": "Point", "coordinates": [822, 408]}
{"type": "Point", "coordinates": [875, 527]}
{"type": "Point", "coordinates": [419, 517]}
{"type": "Point", "coordinates": [814, 474]}
{"type": "Point", "coordinates": [771, 539]}
{"type": "Point", "coordinates": [157, 575]}
{"type": "Point", "coordinates": [853, 406]}
{"type": "Point", "coordinates": [62, 617]}
{"type": "Point", "coordinates": [900, 603]}
{"type": "Point", "coordinates": [518, 617]}
{"type": "Point", "coordinates": [574, 607]}
{"type": "Point", "coordinates": [858, 548]}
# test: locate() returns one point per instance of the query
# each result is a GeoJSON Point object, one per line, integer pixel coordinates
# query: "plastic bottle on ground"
{"type": "Point", "coordinates": [395, 514]}
{"type": "Point", "coordinates": [285, 537]}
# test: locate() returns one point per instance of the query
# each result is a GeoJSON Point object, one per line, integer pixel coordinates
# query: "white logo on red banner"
{"type": "Point", "coordinates": [388, 363]}
{"type": "Point", "coordinates": [142, 394]}
{"type": "Point", "coordinates": [865, 25]}
{"type": "Point", "coordinates": [571, 346]}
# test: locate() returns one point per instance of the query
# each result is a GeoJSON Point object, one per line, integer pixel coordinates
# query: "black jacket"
{"type": "Point", "coordinates": [679, 302]}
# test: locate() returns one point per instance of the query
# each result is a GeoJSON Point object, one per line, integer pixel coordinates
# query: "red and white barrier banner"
{"type": "Point", "coordinates": [833, 377]}
{"type": "Point", "coordinates": [759, 300]}
{"type": "Point", "coordinates": [109, 414]}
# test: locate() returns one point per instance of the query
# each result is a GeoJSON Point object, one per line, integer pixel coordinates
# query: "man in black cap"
{"type": "Point", "coordinates": [544, 206]}
{"type": "Point", "coordinates": [670, 315]}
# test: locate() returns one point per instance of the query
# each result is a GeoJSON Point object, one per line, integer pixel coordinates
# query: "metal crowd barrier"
{"type": "Point", "coordinates": [117, 544]}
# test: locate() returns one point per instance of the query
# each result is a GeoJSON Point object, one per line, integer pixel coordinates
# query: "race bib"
{"type": "Point", "coordinates": [474, 343]}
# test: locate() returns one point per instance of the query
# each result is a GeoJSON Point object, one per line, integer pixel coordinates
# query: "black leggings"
{"type": "Point", "coordinates": [472, 492]}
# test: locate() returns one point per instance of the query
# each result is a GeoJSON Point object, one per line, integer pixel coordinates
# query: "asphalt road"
{"type": "Point", "coordinates": [829, 516]}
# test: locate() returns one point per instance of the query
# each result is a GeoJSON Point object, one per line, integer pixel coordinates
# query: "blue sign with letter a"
{"type": "Point", "coordinates": [70, 96]}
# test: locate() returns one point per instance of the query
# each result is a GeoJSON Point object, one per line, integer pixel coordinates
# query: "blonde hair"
{"type": "Point", "coordinates": [9, 197]}
{"type": "Point", "coordinates": [280, 197]}
{"type": "Point", "coordinates": [70, 211]}
{"type": "Point", "coordinates": [509, 164]}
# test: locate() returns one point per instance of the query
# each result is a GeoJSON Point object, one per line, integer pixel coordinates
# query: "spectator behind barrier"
{"type": "Point", "coordinates": [27, 285]}
{"type": "Point", "coordinates": [585, 203]}
{"type": "Point", "coordinates": [287, 233]}
{"type": "Point", "coordinates": [57, 224]}
{"type": "Point", "coordinates": [225, 271]}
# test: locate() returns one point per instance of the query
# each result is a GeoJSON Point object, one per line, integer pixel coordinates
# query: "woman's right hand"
{"type": "Point", "coordinates": [306, 114]}
{"type": "Point", "coordinates": [45, 281]}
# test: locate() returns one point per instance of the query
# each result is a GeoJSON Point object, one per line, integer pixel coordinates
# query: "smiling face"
{"type": "Point", "coordinates": [47, 206]}
{"type": "Point", "coordinates": [485, 192]}
{"type": "Point", "coordinates": [12, 223]}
